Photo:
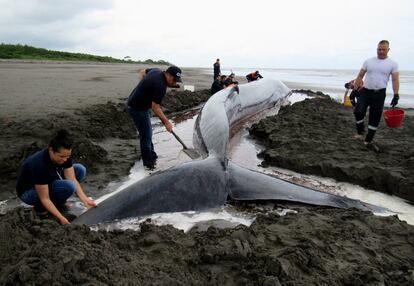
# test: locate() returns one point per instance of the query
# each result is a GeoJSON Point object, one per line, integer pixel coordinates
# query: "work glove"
{"type": "Point", "coordinates": [395, 99]}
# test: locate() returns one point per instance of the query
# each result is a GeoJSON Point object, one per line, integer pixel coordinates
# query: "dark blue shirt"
{"type": "Point", "coordinates": [151, 89]}
{"type": "Point", "coordinates": [217, 70]}
{"type": "Point", "coordinates": [216, 86]}
{"type": "Point", "coordinates": [38, 169]}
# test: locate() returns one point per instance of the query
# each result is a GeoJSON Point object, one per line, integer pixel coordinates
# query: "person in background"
{"type": "Point", "coordinates": [253, 76]}
{"type": "Point", "coordinates": [217, 70]}
{"type": "Point", "coordinates": [354, 93]}
{"type": "Point", "coordinates": [218, 84]}
{"type": "Point", "coordinates": [148, 94]}
{"type": "Point", "coordinates": [48, 178]}
{"type": "Point", "coordinates": [230, 80]}
{"type": "Point", "coordinates": [377, 71]}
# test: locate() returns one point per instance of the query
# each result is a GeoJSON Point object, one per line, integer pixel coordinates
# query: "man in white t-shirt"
{"type": "Point", "coordinates": [377, 71]}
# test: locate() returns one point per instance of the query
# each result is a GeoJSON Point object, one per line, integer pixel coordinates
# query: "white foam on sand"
{"type": "Point", "coordinates": [222, 217]}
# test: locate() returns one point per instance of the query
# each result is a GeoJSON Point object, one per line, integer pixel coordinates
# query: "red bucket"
{"type": "Point", "coordinates": [394, 117]}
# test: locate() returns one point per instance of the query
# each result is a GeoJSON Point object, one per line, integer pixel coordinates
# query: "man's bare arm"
{"type": "Point", "coordinates": [358, 80]}
{"type": "Point", "coordinates": [43, 193]}
{"type": "Point", "coordinates": [156, 108]}
{"type": "Point", "coordinates": [395, 77]}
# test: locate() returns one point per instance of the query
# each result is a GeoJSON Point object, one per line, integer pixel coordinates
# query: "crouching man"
{"type": "Point", "coordinates": [48, 178]}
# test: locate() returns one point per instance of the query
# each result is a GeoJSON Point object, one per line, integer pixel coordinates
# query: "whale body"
{"type": "Point", "coordinates": [213, 180]}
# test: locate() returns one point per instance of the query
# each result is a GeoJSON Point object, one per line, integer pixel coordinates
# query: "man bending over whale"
{"type": "Point", "coordinates": [147, 95]}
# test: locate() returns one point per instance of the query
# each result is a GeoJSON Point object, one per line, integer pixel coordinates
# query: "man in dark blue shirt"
{"type": "Point", "coordinates": [148, 94]}
{"type": "Point", "coordinates": [217, 70]}
{"type": "Point", "coordinates": [48, 178]}
{"type": "Point", "coordinates": [218, 84]}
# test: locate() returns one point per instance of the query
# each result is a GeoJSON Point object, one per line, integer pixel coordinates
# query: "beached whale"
{"type": "Point", "coordinates": [210, 182]}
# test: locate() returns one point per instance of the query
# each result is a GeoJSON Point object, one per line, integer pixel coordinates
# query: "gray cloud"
{"type": "Point", "coordinates": [47, 23]}
{"type": "Point", "coordinates": [34, 12]}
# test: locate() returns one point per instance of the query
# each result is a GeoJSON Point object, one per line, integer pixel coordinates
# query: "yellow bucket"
{"type": "Point", "coordinates": [347, 101]}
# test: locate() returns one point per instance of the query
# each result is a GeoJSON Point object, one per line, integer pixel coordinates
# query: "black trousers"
{"type": "Point", "coordinates": [374, 99]}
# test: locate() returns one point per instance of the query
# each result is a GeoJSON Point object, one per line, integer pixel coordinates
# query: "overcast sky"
{"type": "Point", "coordinates": [319, 34]}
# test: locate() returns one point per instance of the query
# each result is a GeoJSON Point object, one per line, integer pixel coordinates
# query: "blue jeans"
{"type": "Point", "coordinates": [59, 190]}
{"type": "Point", "coordinates": [142, 122]}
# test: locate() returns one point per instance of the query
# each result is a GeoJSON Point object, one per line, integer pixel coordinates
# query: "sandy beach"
{"type": "Point", "coordinates": [89, 101]}
{"type": "Point", "coordinates": [315, 246]}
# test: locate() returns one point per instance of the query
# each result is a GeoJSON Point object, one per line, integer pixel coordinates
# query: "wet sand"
{"type": "Point", "coordinates": [89, 101]}
{"type": "Point", "coordinates": [317, 137]}
{"type": "Point", "coordinates": [316, 246]}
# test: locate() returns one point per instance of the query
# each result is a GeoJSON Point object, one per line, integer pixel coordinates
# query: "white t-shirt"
{"type": "Point", "coordinates": [378, 72]}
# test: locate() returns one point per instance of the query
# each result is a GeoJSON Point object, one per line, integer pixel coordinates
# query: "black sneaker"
{"type": "Point", "coordinates": [149, 167]}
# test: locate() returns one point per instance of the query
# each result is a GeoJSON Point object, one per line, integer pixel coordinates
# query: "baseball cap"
{"type": "Point", "coordinates": [175, 72]}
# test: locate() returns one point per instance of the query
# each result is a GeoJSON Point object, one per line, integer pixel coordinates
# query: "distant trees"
{"type": "Point", "coordinates": [8, 51]}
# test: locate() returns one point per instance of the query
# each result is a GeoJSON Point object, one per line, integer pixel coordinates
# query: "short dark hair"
{"type": "Point", "coordinates": [384, 42]}
{"type": "Point", "coordinates": [61, 139]}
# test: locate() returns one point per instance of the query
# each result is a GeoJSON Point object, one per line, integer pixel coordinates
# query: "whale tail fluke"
{"type": "Point", "coordinates": [248, 185]}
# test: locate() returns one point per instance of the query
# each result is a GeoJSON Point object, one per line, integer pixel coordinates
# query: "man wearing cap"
{"type": "Point", "coordinates": [148, 94]}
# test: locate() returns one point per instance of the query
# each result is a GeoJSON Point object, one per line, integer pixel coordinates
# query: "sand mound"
{"type": "Point", "coordinates": [315, 136]}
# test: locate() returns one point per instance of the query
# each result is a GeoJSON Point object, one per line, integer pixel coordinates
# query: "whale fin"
{"type": "Point", "coordinates": [248, 185]}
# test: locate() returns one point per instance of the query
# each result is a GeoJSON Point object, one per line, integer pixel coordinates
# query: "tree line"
{"type": "Point", "coordinates": [25, 52]}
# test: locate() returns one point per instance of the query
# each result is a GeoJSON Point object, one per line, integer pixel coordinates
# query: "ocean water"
{"type": "Point", "coordinates": [331, 81]}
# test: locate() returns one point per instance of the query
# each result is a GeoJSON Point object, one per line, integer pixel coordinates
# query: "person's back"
{"type": "Point", "coordinates": [151, 88]}
{"type": "Point", "coordinates": [217, 85]}
{"type": "Point", "coordinates": [249, 77]}
{"type": "Point", "coordinates": [228, 81]}
{"type": "Point", "coordinates": [253, 76]}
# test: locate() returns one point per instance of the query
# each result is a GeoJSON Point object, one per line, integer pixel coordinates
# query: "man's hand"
{"type": "Point", "coordinates": [63, 221]}
{"type": "Point", "coordinates": [168, 126]}
{"type": "Point", "coordinates": [89, 203]}
{"type": "Point", "coordinates": [394, 100]}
